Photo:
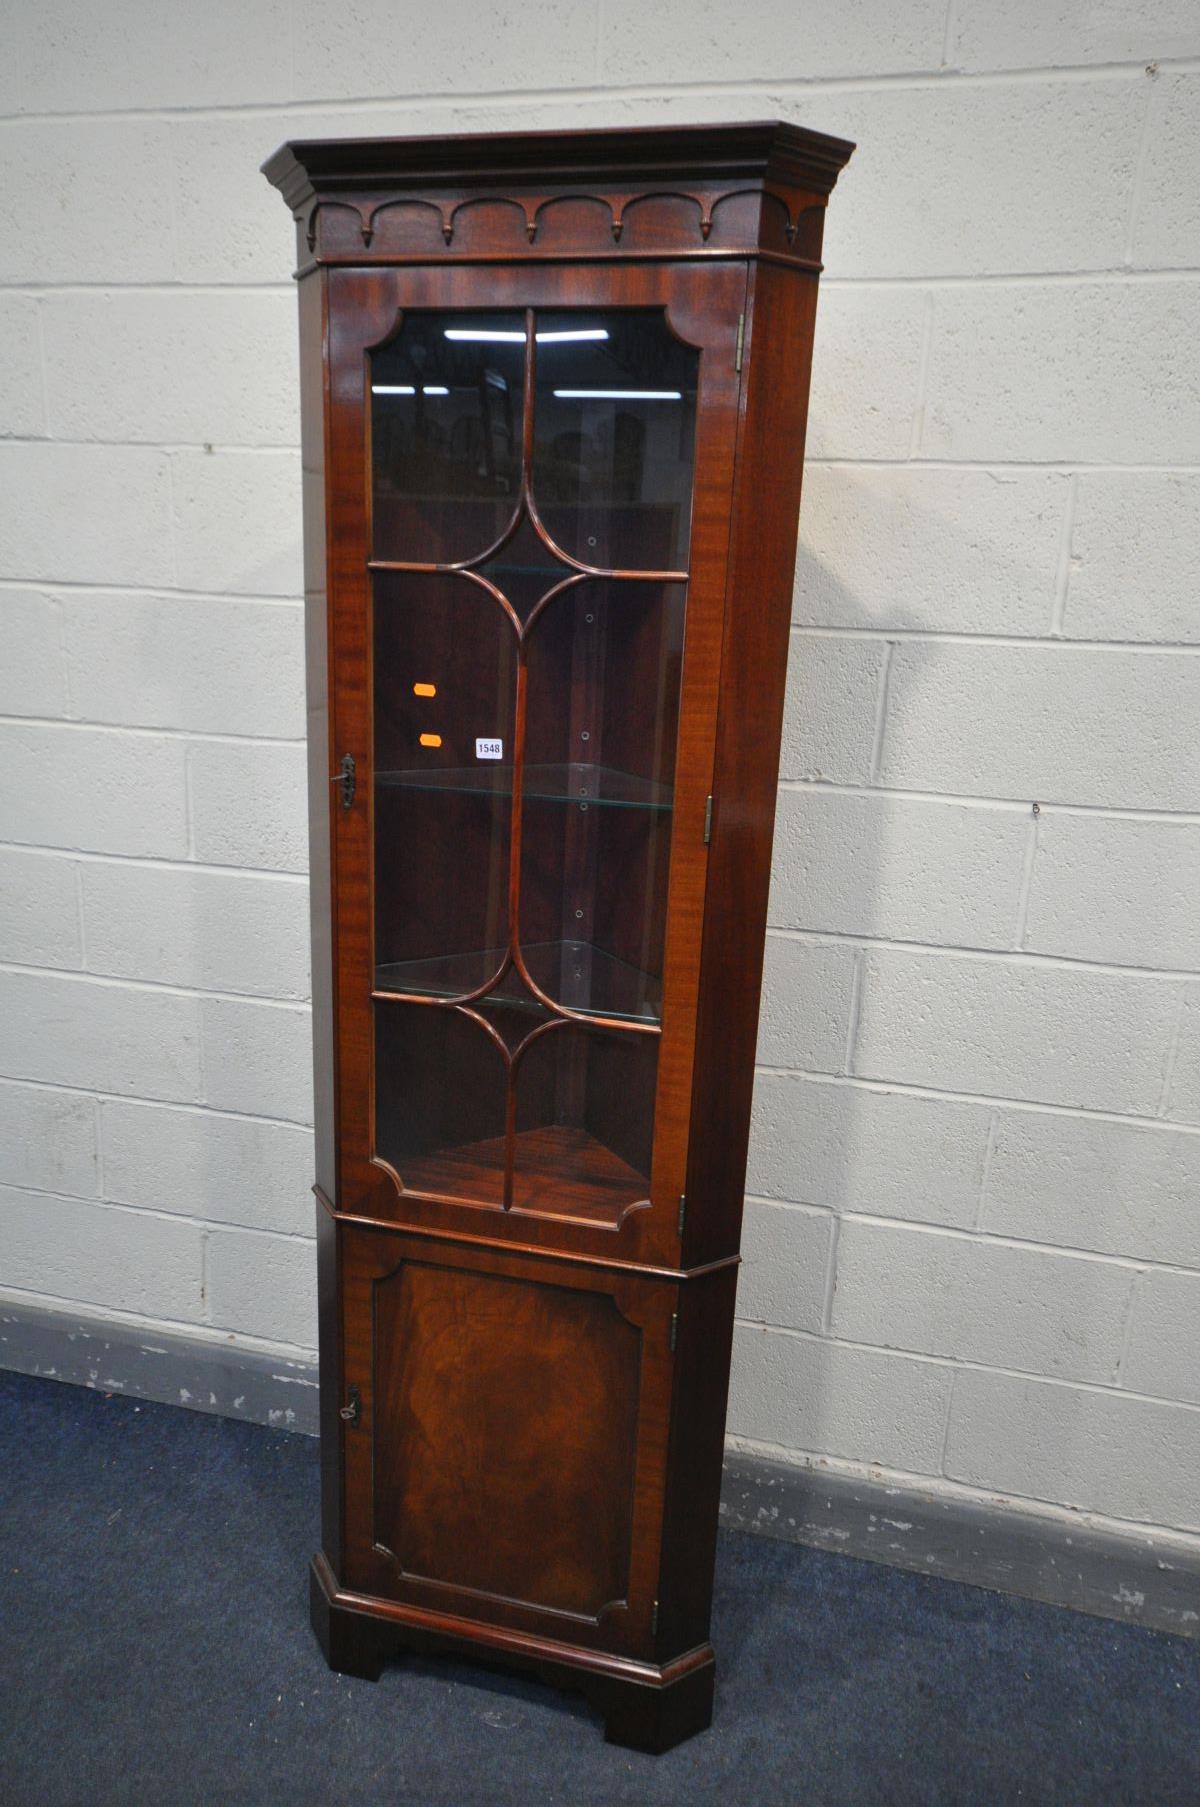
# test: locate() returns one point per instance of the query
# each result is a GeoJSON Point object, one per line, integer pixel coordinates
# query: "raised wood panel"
{"type": "Point", "coordinates": [511, 1448]}
{"type": "Point", "coordinates": [505, 1439]}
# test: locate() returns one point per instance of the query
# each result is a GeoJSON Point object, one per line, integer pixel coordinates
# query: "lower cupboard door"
{"type": "Point", "coordinates": [509, 1456]}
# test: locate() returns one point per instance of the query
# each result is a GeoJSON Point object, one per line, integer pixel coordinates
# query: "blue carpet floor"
{"type": "Point", "coordinates": [155, 1648]}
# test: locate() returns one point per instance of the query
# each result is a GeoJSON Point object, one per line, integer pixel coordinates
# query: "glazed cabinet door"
{"type": "Point", "coordinates": [506, 1452]}
{"type": "Point", "coordinates": [532, 477]}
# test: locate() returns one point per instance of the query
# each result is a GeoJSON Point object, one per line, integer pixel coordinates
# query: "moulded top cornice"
{"type": "Point", "coordinates": [767, 150]}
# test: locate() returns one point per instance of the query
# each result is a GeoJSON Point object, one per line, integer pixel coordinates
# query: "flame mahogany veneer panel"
{"type": "Point", "coordinates": [505, 1436]}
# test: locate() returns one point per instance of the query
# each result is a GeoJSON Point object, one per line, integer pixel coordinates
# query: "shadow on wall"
{"type": "Point", "coordinates": [889, 920]}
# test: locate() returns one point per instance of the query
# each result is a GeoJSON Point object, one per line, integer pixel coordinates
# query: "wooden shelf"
{"type": "Point", "coordinates": [557, 1172]}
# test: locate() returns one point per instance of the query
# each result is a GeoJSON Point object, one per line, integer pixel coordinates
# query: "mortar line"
{"type": "Point", "coordinates": [188, 1105]}
{"type": "Point", "coordinates": [1027, 74]}
{"type": "Point", "coordinates": [917, 427]}
{"type": "Point", "coordinates": [77, 872]}
{"type": "Point", "coordinates": [1137, 179]}
{"type": "Point", "coordinates": [853, 1011]}
{"type": "Point", "coordinates": [189, 804]}
{"type": "Point", "coordinates": [1080, 276]}
{"type": "Point", "coordinates": [945, 1449]}
{"type": "Point", "coordinates": [43, 373]}
{"type": "Point", "coordinates": [1062, 576]}
{"type": "Point", "coordinates": [961, 951]}
{"type": "Point", "coordinates": [1097, 276]}
{"type": "Point", "coordinates": [980, 1234]}
{"type": "Point", "coordinates": [903, 1088]}
{"type": "Point", "coordinates": [132, 731]}
{"type": "Point", "coordinates": [1026, 886]}
{"type": "Point", "coordinates": [165, 987]}
{"type": "Point", "coordinates": [1010, 466]}
{"type": "Point", "coordinates": [64, 662]}
{"type": "Point", "coordinates": [119, 591]}
{"type": "Point", "coordinates": [948, 32]}
{"type": "Point", "coordinates": [985, 1174]}
{"type": "Point", "coordinates": [1127, 1329]}
{"type": "Point", "coordinates": [173, 518]}
{"type": "Point", "coordinates": [206, 868]}
{"type": "Point", "coordinates": [830, 1288]}
{"type": "Point", "coordinates": [949, 636]}
{"type": "Point", "coordinates": [968, 1365]}
{"type": "Point", "coordinates": [1164, 1097]}
{"type": "Point", "coordinates": [205, 1294]}
{"type": "Point", "coordinates": [169, 447]}
{"type": "Point", "coordinates": [881, 709]}
{"type": "Point", "coordinates": [117, 285]}
{"type": "Point", "coordinates": [98, 1136]}
{"type": "Point", "coordinates": [1025, 1245]}
{"type": "Point", "coordinates": [162, 1216]}
{"type": "Point", "coordinates": [969, 800]}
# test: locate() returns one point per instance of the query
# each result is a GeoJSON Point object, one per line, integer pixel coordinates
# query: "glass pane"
{"type": "Point", "coordinates": [602, 715]}
{"type": "Point", "coordinates": [614, 431]}
{"type": "Point", "coordinates": [445, 659]}
{"type": "Point", "coordinates": [524, 570]}
{"type": "Point", "coordinates": [585, 1122]}
{"type": "Point", "coordinates": [447, 399]}
{"type": "Point", "coordinates": [440, 1091]}
{"type": "Point", "coordinates": [510, 1103]}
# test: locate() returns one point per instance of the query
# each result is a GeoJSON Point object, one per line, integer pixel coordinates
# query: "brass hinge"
{"type": "Point", "coordinates": [741, 340]}
{"type": "Point", "coordinates": [674, 1328]}
{"type": "Point", "coordinates": [654, 1620]}
{"type": "Point", "coordinates": [682, 1212]}
{"type": "Point", "coordinates": [708, 819]}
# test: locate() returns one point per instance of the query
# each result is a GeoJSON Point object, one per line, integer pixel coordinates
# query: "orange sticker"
{"type": "Point", "coordinates": [431, 740]}
{"type": "Point", "coordinates": [424, 689]}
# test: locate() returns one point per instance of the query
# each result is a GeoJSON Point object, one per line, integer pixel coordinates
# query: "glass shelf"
{"type": "Point", "coordinates": [543, 783]}
{"type": "Point", "coordinates": [573, 973]}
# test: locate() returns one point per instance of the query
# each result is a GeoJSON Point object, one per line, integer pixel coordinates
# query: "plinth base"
{"type": "Point", "coordinates": [645, 1706]}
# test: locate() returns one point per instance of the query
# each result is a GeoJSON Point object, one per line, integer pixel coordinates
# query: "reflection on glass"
{"type": "Point", "coordinates": [604, 663]}
{"type": "Point", "coordinates": [614, 429]}
{"type": "Point", "coordinates": [445, 683]}
{"type": "Point", "coordinates": [524, 570]}
{"type": "Point", "coordinates": [446, 410]}
{"type": "Point", "coordinates": [440, 1099]}
{"type": "Point", "coordinates": [582, 1101]}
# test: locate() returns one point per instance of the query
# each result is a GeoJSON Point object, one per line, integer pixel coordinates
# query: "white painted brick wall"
{"type": "Point", "coordinates": [972, 1244]}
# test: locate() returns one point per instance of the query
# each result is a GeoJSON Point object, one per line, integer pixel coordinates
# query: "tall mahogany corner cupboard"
{"type": "Point", "coordinates": [554, 398]}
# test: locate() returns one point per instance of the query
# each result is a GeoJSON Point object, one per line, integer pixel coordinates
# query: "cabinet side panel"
{"type": "Point", "coordinates": [692, 1505]}
{"type": "Point", "coordinates": [329, 1330]}
{"type": "Point", "coordinates": [778, 355]}
{"type": "Point", "coordinates": [313, 304]}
